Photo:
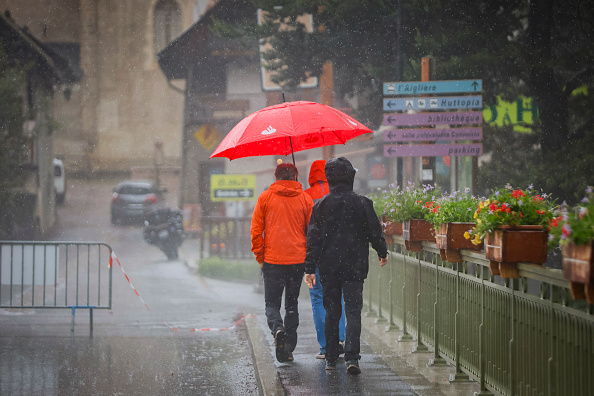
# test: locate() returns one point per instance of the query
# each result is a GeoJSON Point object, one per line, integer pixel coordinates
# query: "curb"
{"type": "Point", "coordinates": [267, 375]}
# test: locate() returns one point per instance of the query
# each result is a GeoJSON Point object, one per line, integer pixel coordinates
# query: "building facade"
{"type": "Point", "coordinates": [112, 120]}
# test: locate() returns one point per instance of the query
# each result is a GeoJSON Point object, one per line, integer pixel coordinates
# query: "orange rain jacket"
{"type": "Point", "coordinates": [317, 181]}
{"type": "Point", "coordinates": [279, 224]}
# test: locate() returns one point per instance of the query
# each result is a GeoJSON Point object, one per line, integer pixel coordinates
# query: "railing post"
{"type": "Point", "coordinates": [380, 318]}
{"type": "Point", "coordinates": [404, 337]}
{"type": "Point", "coordinates": [420, 347]}
{"type": "Point", "coordinates": [391, 326]}
{"type": "Point", "coordinates": [437, 360]}
{"type": "Point", "coordinates": [482, 357]}
{"type": "Point", "coordinates": [458, 376]}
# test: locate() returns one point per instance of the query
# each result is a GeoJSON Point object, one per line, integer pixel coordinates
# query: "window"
{"type": "Point", "coordinates": [166, 23]}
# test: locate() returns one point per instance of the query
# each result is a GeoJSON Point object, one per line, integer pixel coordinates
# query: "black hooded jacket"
{"type": "Point", "coordinates": [342, 225]}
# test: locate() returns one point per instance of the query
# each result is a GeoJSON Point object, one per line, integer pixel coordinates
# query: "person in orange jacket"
{"type": "Point", "coordinates": [278, 231]}
{"type": "Point", "coordinates": [318, 188]}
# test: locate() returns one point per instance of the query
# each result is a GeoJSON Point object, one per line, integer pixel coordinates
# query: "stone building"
{"type": "Point", "coordinates": [124, 105]}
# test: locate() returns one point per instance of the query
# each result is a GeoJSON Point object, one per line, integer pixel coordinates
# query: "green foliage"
{"type": "Point", "coordinates": [216, 267]}
{"type": "Point", "coordinates": [403, 205]}
{"type": "Point", "coordinates": [512, 207]}
{"type": "Point", "coordinates": [457, 207]}
{"type": "Point", "coordinates": [574, 224]}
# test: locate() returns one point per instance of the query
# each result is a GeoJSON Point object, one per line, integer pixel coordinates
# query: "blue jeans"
{"type": "Point", "coordinates": [319, 313]}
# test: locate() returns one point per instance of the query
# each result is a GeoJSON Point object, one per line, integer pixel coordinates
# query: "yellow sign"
{"type": "Point", "coordinates": [208, 136]}
{"type": "Point", "coordinates": [521, 114]}
{"type": "Point", "coordinates": [232, 188]}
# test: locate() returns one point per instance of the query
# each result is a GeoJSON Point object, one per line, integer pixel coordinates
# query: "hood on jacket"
{"type": "Point", "coordinates": [316, 173]}
{"type": "Point", "coordinates": [340, 172]}
{"type": "Point", "coordinates": [287, 188]}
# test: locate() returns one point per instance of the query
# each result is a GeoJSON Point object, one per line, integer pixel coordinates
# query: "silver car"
{"type": "Point", "coordinates": [132, 200]}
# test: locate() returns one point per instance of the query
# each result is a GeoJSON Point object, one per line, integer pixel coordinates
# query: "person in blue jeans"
{"type": "Point", "coordinates": [318, 188]}
{"type": "Point", "coordinates": [319, 315]}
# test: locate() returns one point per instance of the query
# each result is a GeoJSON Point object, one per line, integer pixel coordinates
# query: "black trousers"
{"type": "Point", "coordinates": [352, 291]}
{"type": "Point", "coordinates": [279, 278]}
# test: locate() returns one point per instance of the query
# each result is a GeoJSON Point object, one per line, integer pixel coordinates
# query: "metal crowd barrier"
{"type": "Point", "coordinates": [226, 237]}
{"type": "Point", "coordinates": [73, 275]}
{"type": "Point", "coordinates": [516, 337]}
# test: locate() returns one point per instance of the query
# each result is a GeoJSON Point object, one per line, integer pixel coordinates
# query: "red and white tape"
{"type": "Point", "coordinates": [114, 257]}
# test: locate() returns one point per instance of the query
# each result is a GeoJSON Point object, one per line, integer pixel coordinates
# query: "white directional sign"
{"type": "Point", "coordinates": [432, 87]}
{"type": "Point", "coordinates": [435, 103]}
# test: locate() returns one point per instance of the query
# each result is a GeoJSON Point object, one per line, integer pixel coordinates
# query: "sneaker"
{"type": "Point", "coordinates": [341, 348]}
{"type": "Point", "coordinates": [321, 355]}
{"type": "Point", "coordinates": [282, 355]}
{"type": "Point", "coordinates": [330, 365]}
{"type": "Point", "coordinates": [353, 367]}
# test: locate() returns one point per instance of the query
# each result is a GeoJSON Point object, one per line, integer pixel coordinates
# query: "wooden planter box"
{"type": "Point", "coordinates": [415, 231]}
{"type": "Point", "coordinates": [506, 246]}
{"type": "Point", "coordinates": [578, 269]}
{"type": "Point", "coordinates": [391, 228]}
{"type": "Point", "coordinates": [450, 240]}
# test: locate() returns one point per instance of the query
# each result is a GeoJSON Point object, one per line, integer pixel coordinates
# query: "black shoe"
{"type": "Point", "coordinates": [330, 365]}
{"type": "Point", "coordinates": [282, 355]}
{"type": "Point", "coordinates": [290, 358]}
{"type": "Point", "coordinates": [353, 367]}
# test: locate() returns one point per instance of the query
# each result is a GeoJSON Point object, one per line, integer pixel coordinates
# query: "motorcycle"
{"type": "Point", "coordinates": [164, 229]}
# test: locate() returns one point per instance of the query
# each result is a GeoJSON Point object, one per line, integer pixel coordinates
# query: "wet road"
{"type": "Point", "coordinates": [132, 351]}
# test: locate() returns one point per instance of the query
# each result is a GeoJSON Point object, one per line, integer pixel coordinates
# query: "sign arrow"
{"type": "Point", "coordinates": [391, 104]}
{"type": "Point", "coordinates": [475, 85]}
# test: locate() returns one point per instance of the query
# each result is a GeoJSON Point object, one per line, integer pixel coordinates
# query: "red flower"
{"type": "Point", "coordinates": [518, 193]}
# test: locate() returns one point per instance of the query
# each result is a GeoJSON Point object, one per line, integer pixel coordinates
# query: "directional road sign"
{"type": "Point", "coordinates": [232, 187]}
{"type": "Point", "coordinates": [432, 150]}
{"type": "Point", "coordinates": [432, 134]}
{"type": "Point", "coordinates": [434, 103]}
{"type": "Point", "coordinates": [432, 87]}
{"type": "Point", "coordinates": [451, 118]}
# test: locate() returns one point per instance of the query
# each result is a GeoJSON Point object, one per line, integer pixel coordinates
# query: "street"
{"type": "Point", "coordinates": [131, 351]}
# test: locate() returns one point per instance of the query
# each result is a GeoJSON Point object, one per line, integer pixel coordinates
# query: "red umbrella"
{"type": "Point", "coordinates": [286, 128]}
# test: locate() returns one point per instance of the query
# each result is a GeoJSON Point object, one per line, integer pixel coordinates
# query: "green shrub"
{"type": "Point", "coordinates": [240, 270]}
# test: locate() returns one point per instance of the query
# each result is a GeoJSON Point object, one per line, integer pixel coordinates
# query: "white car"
{"type": "Point", "coordinates": [59, 181]}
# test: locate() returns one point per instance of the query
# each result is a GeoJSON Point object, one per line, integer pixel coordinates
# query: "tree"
{"type": "Point", "coordinates": [539, 48]}
{"type": "Point", "coordinates": [12, 141]}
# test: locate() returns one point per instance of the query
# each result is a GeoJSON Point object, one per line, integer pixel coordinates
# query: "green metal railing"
{"type": "Point", "coordinates": [516, 337]}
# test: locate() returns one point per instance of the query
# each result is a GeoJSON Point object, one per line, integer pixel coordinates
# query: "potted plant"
{"type": "Point", "coordinates": [386, 204]}
{"type": "Point", "coordinates": [573, 230]}
{"type": "Point", "coordinates": [412, 213]}
{"type": "Point", "coordinates": [514, 225]}
{"type": "Point", "coordinates": [452, 217]}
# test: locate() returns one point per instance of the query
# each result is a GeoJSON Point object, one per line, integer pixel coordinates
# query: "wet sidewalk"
{"type": "Point", "coordinates": [388, 366]}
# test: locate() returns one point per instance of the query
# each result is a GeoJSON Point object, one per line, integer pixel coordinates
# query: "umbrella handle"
{"type": "Point", "coordinates": [291, 143]}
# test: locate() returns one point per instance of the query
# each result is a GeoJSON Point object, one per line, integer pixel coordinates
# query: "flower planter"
{"type": "Point", "coordinates": [390, 228]}
{"type": "Point", "coordinates": [508, 245]}
{"type": "Point", "coordinates": [415, 231]}
{"type": "Point", "coordinates": [450, 240]}
{"type": "Point", "coordinates": [578, 269]}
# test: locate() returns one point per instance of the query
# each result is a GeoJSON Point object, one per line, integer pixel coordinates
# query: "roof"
{"type": "Point", "coordinates": [19, 43]}
{"type": "Point", "coordinates": [196, 44]}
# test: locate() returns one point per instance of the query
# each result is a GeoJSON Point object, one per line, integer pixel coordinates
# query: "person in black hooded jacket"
{"type": "Point", "coordinates": [342, 225]}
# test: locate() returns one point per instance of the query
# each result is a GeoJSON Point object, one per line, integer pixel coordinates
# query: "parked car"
{"type": "Point", "coordinates": [59, 180]}
{"type": "Point", "coordinates": [133, 200]}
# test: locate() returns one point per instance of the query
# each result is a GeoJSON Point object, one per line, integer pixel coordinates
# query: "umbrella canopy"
{"type": "Point", "coordinates": [287, 128]}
